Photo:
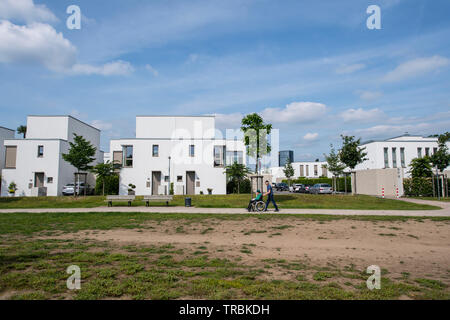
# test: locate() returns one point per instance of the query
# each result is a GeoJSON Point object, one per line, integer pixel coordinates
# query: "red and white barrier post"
{"type": "Point", "coordinates": [396, 192]}
{"type": "Point", "coordinates": [382, 193]}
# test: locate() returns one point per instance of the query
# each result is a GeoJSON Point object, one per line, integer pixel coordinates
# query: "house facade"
{"type": "Point", "coordinates": [303, 169]}
{"type": "Point", "coordinates": [5, 134]}
{"type": "Point", "coordinates": [181, 151]}
{"type": "Point", "coordinates": [36, 165]}
{"type": "Point", "coordinates": [397, 152]}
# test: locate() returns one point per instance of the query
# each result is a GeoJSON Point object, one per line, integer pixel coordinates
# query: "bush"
{"type": "Point", "coordinates": [244, 187]}
{"type": "Point", "coordinates": [111, 185]}
{"type": "Point", "coordinates": [421, 187]}
{"type": "Point", "coordinates": [312, 181]}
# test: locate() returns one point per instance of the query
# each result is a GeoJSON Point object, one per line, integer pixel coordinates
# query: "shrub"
{"type": "Point", "coordinates": [111, 185]}
{"type": "Point", "coordinates": [244, 187]}
{"type": "Point", "coordinates": [420, 187]}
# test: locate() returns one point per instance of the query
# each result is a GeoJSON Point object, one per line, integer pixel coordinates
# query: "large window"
{"type": "Point", "coordinates": [11, 155]}
{"type": "Point", "coordinates": [219, 156]}
{"type": "Point", "coordinates": [307, 170]}
{"type": "Point", "coordinates": [128, 156]}
{"type": "Point", "coordinates": [394, 157]}
{"type": "Point", "coordinates": [302, 170]}
{"type": "Point", "coordinates": [419, 152]}
{"type": "Point", "coordinates": [155, 150]}
{"type": "Point", "coordinates": [191, 150]}
{"type": "Point", "coordinates": [40, 152]}
{"type": "Point", "coordinates": [402, 157]}
{"type": "Point", "coordinates": [427, 152]}
{"type": "Point", "coordinates": [386, 158]}
{"type": "Point", "coordinates": [234, 156]}
{"type": "Point", "coordinates": [315, 170]}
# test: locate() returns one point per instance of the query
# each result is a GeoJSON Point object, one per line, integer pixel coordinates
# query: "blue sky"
{"type": "Point", "coordinates": [311, 68]}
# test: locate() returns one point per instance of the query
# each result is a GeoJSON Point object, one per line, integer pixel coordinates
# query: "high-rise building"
{"type": "Point", "coordinates": [283, 157]}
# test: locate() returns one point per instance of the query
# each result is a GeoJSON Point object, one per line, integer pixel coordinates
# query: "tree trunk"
{"type": "Point", "coordinates": [103, 186]}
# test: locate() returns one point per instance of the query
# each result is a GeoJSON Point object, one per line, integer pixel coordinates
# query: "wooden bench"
{"type": "Point", "coordinates": [165, 199]}
{"type": "Point", "coordinates": [111, 199]}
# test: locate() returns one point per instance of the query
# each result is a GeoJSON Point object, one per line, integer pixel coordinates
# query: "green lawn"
{"type": "Point", "coordinates": [432, 198]}
{"type": "Point", "coordinates": [32, 267]}
{"type": "Point", "coordinates": [227, 201]}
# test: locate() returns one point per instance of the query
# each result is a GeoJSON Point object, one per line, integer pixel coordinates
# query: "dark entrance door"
{"type": "Point", "coordinates": [190, 182]}
{"type": "Point", "coordinates": [38, 179]}
{"type": "Point", "coordinates": [156, 181]}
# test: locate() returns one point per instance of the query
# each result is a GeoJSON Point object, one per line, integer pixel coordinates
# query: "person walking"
{"type": "Point", "coordinates": [270, 197]}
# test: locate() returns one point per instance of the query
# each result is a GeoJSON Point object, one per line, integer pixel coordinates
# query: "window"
{"type": "Point", "coordinates": [427, 152]}
{"type": "Point", "coordinates": [191, 150]}
{"type": "Point", "coordinates": [315, 170]}
{"type": "Point", "coordinates": [128, 155]}
{"type": "Point", "coordinates": [302, 170]}
{"type": "Point", "coordinates": [402, 157]}
{"type": "Point", "coordinates": [179, 178]}
{"type": "Point", "coordinates": [419, 152]}
{"type": "Point", "coordinates": [166, 178]}
{"type": "Point", "coordinates": [234, 156]}
{"type": "Point", "coordinates": [307, 170]}
{"type": "Point", "coordinates": [11, 155]}
{"type": "Point", "coordinates": [117, 159]}
{"type": "Point", "coordinates": [49, 179]}
{"type": "Point", "coordinates": [394, 157]}
{"type": "Point", "coordinates": [155, 150]}
{"type": "Point", "coordinates": [219, 156]}
{"type": "Point", "coordinates": [324, 171]}
{"type": "Point", "coordinates": [434, 150]}
{"type": "Point", "coordinates": [40, 152]}
{"type": "Point", "coordinates": [386, 158]}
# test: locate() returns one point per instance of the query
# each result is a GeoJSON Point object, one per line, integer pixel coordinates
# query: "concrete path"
{"type": "Point", "coordinates": [444, 212]}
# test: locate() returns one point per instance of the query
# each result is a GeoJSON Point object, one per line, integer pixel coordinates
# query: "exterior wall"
{"type": "Point", "coordinates": [49, 132]}
{"type": "Point", "coordinates": [371, 182]}
{"type": "Point", "coordinates": [278, 174]}
{"type": "Point", "coordinates": [375, 152]}
{"type": "Point", "coordinates": [4, 135]}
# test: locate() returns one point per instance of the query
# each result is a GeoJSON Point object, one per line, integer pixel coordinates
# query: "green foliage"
{"type": "Point", "coordinates": [288, 170]}
{"type": "Point", "coordinates": [421, 187]}
{"type": "Point", "coordinates": [236, 173]}
{"type": "Point", "coordinates": [22, 130]}
{"type": "Point", "coordinates": [421, 168]}
{"type": "Point", "coordinates": [334, 164]}
{"type": "Point", "coordinates": [340, 182]}
{"type": "Point", "coordinates": [12, 187]}
{"type": "Point", "coordinates": [111, 185]}
{"type": "Point", "coordinates": [244, 186]}
{"type": "Point", "coordinates": [81, 153]}
{"type": "Point", "coordinates": [441, 158]}
{"type": "Point", "coordinates": [351, 154]}
{"type": "Point", "coordinates": [102, 171]}
{"type": "Point", "coordinates": [255, 136]}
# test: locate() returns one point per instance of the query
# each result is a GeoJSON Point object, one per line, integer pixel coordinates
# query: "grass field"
{"type": "Point", "coordinates": [36, 249]}
{"type": "Point", "coordinates": [227, 201]}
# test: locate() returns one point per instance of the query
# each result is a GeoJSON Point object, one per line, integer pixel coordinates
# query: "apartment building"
{"type": "Point", "coordinates": [182, 150]}
{"type": "Point", "coordinates": [397, 152]}
{"type": "Point", "coordinates": [5, 134]}
{"type": "Point", "coordinates": [303, 169]}
{"type": "Point", "coordinates": [36, 165]}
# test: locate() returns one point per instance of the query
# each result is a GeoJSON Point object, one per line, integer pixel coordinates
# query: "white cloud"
{"type": "Point", "coordinates": [346, 69]}
{"type": "Point", "coordinates": [39, 43]}
{"type": "Point", "coordinates": [152, 70]}
{"type": "Point", "coordinates": [36, 43]}
{"type": "Point", "coordinates": [295, 112]}
{"type": "Point", "coordinates": [102, 125]}
{"type": "Point", "coordinates": [119, 67]}
{"type": "Point", "coordinates": [416, 67]}
{"type": "Point", "coordinates": [370, 95]}
{"type": "Point", "coordinates": [228, 121]}
{"type": "Point", "coordinates": [25, 11]}
{"type": "Point", "coordinates": [311, 136]}
{"type": "Point", "coordinates": [361, 115]}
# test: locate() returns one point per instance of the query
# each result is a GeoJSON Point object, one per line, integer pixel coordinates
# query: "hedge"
{"type": "Point", "coordinates": [421, 187]}
{"type": "Point", "coordinates": [244, 187]}
{"type": "Point", "coordinates": [312, 181]}
{"type": "Point", "coordinates": [111, 185]}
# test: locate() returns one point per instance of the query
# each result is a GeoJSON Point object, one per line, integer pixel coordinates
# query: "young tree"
{"type": "Point", "coordinates": [421, 168]}
{"type": "Point", "coordinates": [334, 164]}
{"type": "Point", "coordinates": [81, 155]}
{"type": "Point", "coordinates": [102, 172]}
{"type": "Point", "coordinates": [288, 170]}
{"type": "Point", "coordinates": [236, 173]}
{"type": "Point", "coordinates": [22, 130]}
{"type": "Point", "coordinates": [255, 136]}
{"type": "Point", "coordinates": [351, 154]}
{"type": "Point", "coordinates": [441, 158]}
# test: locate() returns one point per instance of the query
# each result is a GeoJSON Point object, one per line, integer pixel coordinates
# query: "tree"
{"type": "Point", "coordinates": [237, 173]}
{"type": "Point", "coordinates": [22, 130]}
{"type": "Point", "coordinates": [334, 164]}
{"type": "Point", "coordinates": [420, 168]}
{"type": "Point", "coordinates": [351, 154]}
{"type": "Point", "coordinates": [102, 171]}
{"type": "Point", "coordinates": [255, 136]}
{"type": "Point", "coordinates": [441, 158]}
{"type": "Point", "coordinates": [81, 155]}
{"type": "Point", "coordinates": [288, 170]}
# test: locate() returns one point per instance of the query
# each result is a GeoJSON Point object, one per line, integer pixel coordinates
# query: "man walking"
{"type": "Point", "coordinates": [269, 195]}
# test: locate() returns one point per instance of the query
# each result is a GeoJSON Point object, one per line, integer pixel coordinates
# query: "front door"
{"type": "Point", "coordinates": [156, 181]}
{"type": "Point", "coordinates": [38, 179]}
{"type": "Point", "coordinates": [190, 182]}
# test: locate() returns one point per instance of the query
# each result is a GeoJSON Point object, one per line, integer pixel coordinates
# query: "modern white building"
{"type": "Point", "coordinates": [397, 152]}
{"type": "Point", "coordinates": [36, 165]}
{"type": "Point", "coordinates": [304, 169]}
{"type": "Point", "coordinates": [182, 150]}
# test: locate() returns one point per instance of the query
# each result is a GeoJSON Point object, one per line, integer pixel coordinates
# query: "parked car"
{"type": "Point", "coordinates": [281, 187]}
{"type": "Point", "coordinates": [69, 189]}
{"type": "Point", "coordinates": [307, 187]}
{"type": "Point", "coordinates": [321, 188]}
{"type": "Point", "coordinates": [299, 188]}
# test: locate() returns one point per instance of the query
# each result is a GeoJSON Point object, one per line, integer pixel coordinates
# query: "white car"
{"type": "Point", "coordinates": [69, 189]}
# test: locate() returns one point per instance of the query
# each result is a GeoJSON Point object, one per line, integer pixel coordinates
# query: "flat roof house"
{"type": "Point", "coordinates": [397, 152]}
{"type": "Point", "coordinates": [182, 150]}
{"type": "Point", "coordinates": [302, 169]}
{"type": "Point", "coordinates": [35, 164]}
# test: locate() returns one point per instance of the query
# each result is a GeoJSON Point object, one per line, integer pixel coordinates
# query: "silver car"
{"type": "Point", "coordinates": [321, 188]}
{"type": "Point", "coordinates": [69, 189]}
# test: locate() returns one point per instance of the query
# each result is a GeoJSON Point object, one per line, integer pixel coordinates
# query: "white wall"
{"type": "Point", "coordinates": [278, 173]}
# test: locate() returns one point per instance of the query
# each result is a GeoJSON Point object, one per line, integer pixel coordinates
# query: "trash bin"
{"type": "Point", "coordinates": [187, 202]}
